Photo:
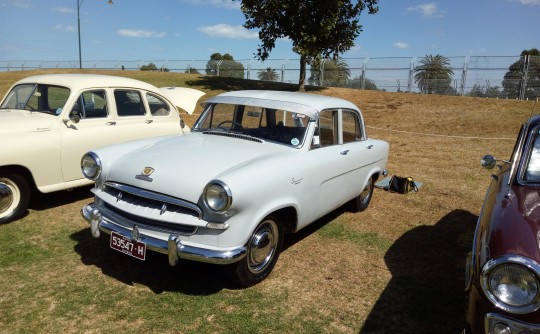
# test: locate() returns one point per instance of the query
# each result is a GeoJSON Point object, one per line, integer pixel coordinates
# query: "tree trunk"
{"type": "Point", "coordinates": [301, 87]}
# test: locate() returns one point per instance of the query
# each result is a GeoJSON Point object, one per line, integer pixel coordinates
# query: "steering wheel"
{"type": "Point", "coordinates": [233, 124]}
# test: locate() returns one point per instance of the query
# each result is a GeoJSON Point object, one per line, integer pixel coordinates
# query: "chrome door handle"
{"type": "Point", "coordinates": [148, 121]}
{"type": "Point", "coordinates": [369, 147]}
{"type": "Point", "coordinates": [110, 123]}
{"type": "Point", "coordinates": [344, 152]}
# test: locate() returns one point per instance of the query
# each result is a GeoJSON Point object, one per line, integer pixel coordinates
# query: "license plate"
{"type": "Point", "coordinates": [128, 246]}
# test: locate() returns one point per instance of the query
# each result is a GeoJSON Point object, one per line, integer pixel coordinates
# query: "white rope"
{"type": "Point", "coordinates": [434, 135]}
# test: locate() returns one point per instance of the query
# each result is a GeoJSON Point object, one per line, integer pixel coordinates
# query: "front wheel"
{"type": "Point", "coordinates": [361, 202]}
{"type": "Point", "coordinates": [14, 197]}
{"type": "Point", "coordinates": [263, 249]}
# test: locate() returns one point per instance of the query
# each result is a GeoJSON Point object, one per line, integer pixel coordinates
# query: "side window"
{"type": "Point", "coordinates": [328, 131]}
{"type": "Point", "coordinates": [91, 104]}
{"type": "Point", "coordinates": [158, 107]}
{"type": "Point", "coordinates": [57, 98]}
{"type": "Point", "coordinates": [129, 103]}
{"type": "Point", "coordinates": [351, 127]}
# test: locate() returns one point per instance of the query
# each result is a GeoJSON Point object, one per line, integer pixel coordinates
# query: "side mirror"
{"type": "Point", "coordinates": [74, 117]}
{"type": "Point", "coordinates": [488, 161]}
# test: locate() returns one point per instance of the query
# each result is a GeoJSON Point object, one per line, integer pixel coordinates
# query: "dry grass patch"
{"type": "Point", "coordinates": [396, 268]}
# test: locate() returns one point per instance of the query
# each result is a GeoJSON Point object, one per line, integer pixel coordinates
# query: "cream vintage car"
{"type": "Point", "coordinates": [48, 122]}
{"type": "Point", "coordinates": [257, 164]}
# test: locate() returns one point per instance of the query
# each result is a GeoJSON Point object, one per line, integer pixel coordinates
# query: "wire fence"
{"type": "Point", "coordinates": [512, 77]}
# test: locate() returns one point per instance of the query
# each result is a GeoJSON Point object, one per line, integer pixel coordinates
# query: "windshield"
{"type": "Point", "coordinates": [37, 97]}
{"type": "Point", "coordinates": [274, 125]}
{"type": "Point", "coordinates": [532, 171]}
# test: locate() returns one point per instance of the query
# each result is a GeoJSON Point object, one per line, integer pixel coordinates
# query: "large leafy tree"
{"type": "Point", "coordinates": [224, 66]}
{"type": "Point", "coordinates": [434, 75]}
{"type": "Point", "coordinates": [315, 27]}
{"type": "Point", "coordinates": [523, 76]}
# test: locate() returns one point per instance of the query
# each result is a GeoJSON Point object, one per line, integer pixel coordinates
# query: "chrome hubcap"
{"type": "Point", "coordinates": [8, 196]}
{"type": "Point", "coordinates": [364, 196]}
{"type": "Point", "coordinates": [262, 246]}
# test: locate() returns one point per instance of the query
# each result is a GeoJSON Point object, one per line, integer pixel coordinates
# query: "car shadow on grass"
{"type": "Point", "coordinates": [188, 277]}
{"type": "Point", "coordinates": [42, 202]}
{"type": "Point", "coordinates": [426, 292]}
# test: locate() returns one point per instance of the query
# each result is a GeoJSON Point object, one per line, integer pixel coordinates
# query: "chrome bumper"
{"type": "Point", "coordinates": [173, 247]}
{"type": "Point", "coordinates": [496, 323]}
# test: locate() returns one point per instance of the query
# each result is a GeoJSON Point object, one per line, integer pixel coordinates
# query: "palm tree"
{"type": "Point", "coordinates": [268, 75]}
{"type": "Point", "coordinates": [434, 75]}
{"type": "Point", "coordinates": [334, 72]}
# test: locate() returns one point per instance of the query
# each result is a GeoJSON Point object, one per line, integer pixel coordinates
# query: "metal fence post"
{"type": "Point", "coordinates": [524, 78]}
{"type": "Point", "coordinates": [464, 76]}
{"type": "Point", "coordinates": [364, 70]}
{"type": "Point", "coordinates": [411, 74]}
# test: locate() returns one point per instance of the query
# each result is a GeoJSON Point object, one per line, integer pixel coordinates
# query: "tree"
{"type": "Point", "coordinates": [191, 70]}
{"type": "Point", "coordinates": [224, 66]}
{"type": "Point", "coordinates": [523, 77]}
{"type": "Point", "coordinates": [315, 27]}
{"type": "Point", "coordinates": [153, 67]}
{"type": "Point", "coordinates": [361, 83]}
{"type": "Point", "coordinates": [268, 75]}
{"type": "Point", "coordinates": [328, 72]}
{"type": "Point", "coordinates": [434, 75]}
{"type": "Point", "coordinates": [481, 91]}
{"type": "Point", "coordinates": [149, 67]}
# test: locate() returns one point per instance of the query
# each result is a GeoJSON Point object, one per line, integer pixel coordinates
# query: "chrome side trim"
{"type": "Point", "coordinates": [173, 247]}
{"type": "Point", "coordinates": [154, 196]}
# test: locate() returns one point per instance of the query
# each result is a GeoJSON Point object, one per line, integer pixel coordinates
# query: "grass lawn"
{"type": "Point", "coordinates": [398, 267]}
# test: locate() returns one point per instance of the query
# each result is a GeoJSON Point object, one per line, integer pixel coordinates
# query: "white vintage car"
{"type": "Point", "coordinates": [255, 165]}
{"type": "Point", "coordinates": [48, 122]}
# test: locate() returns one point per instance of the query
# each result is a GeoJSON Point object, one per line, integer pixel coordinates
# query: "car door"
{"type": "Point", "coordinates": [89, 125]}
{"type": "Point", "coordinates": [163, 118]}
{"type": "Point", "coordinates": [342, 157]}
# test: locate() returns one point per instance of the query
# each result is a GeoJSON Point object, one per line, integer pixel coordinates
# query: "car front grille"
{"type": "Point", "coordinates": [136, 205]}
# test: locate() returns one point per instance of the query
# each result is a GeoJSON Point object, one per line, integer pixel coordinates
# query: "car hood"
{"type": "Point", "coordinates": [183, 165]}
{"type": "Point", "coordinates": [17, 121]}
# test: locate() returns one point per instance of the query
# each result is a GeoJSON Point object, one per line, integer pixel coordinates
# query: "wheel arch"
{"type": "Point", "coordinates": [288, 216]}
{"type": "Point", "coordinates": [21, 170]}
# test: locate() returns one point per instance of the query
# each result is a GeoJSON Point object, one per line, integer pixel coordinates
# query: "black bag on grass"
{"type": "Point", "coordinates": [401, 184]}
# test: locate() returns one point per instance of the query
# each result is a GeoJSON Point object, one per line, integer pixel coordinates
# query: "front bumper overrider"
{"type": "Point", "coordinates": [173, 247]}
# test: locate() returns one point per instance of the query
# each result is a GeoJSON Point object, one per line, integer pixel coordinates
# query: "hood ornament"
{"type": "Point", "coordinates": [145, 175]}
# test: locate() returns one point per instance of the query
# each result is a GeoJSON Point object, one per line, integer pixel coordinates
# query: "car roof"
{"type": "Point", "coordinates": [305, 103]}
{"type": "Point", "coordinates": [81, 81]}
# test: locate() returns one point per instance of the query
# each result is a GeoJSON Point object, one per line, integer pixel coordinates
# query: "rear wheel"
{"type": "Point", "coordinates": [361, 202]}
{"type": "Point", "coordinates": [14, 197]}
{"type": "Point", "coordinates": [263, 249]}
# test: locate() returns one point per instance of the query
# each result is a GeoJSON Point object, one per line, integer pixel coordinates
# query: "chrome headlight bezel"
{"type": "Point", "coordinates": [217, 197]}
{"type": "Point", "coordinates": [91, 166]}
{"type": "Point", "coordinates": [509, 269]}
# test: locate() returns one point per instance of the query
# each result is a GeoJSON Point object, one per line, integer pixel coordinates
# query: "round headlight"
{"type": "Point", "coordinates": [217, 197]}
{"type": "Point", "coordinates": [91, 166]}
{"type": "Point", "coordinates": [513, 287]}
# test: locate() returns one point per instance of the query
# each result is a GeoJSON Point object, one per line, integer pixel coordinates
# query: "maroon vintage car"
{"type": "Point", "coordinates": [503, 268]}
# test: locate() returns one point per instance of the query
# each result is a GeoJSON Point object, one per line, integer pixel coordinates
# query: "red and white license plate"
{"type": "Point", "coordinates": [128, 246]}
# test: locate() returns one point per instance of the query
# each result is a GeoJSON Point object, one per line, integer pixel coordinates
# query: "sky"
{"type": "Point", "coordinates": [46, 30]}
